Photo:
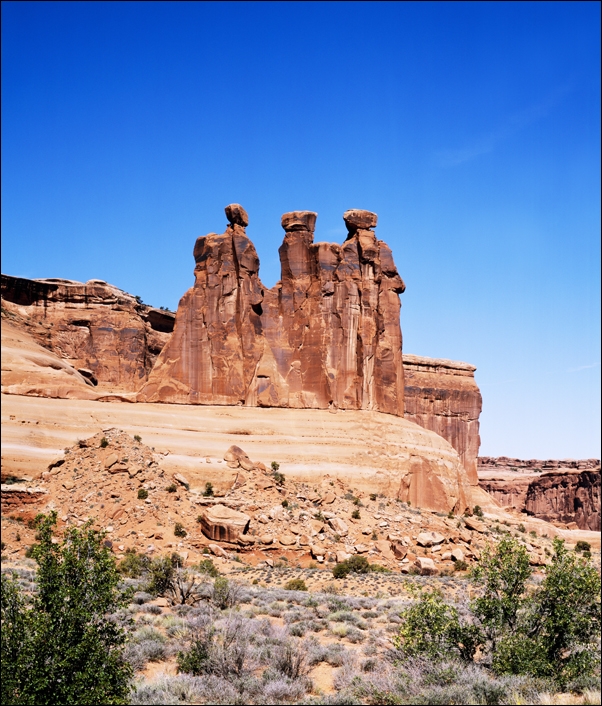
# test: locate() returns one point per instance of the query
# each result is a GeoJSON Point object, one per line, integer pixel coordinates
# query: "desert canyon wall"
{"type": "Point", "coordinates": [566, 491]}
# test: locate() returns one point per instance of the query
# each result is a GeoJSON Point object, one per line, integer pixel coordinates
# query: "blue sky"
{"type": "Point", "coordinates": [472, 129]}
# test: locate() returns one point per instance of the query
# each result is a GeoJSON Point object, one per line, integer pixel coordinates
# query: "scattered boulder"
{"type": "Point", "coordinates": [216, 550]}
{"type": "Point", "coordinates": [224, 524]}
{"type": "Point", "coordinates": [287, 539]}
{"type": "Point", "coordinates": [475, 525]}
{"type": "Point", "coordinates": [425, 566]}
{"type": "Point", "coordinates": [182, 480]}
{"type": "Point", "coordinates": [457, 554]}
{"type": "Point", "coordinates": [339, 526]}
{"type": "Point", "coordinates": [428, 539]}
{"type": "Point", "coordinates": [111, 460]}
{"type": "Point", "coordinates": [236, 457]}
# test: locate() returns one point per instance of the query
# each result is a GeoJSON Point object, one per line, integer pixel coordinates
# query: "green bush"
{"type": "Point", "coordinates": [284, 503]}
{"type": "Point", "coordinates": [179, 530]}
{"type": "Point", "coordinates": [355, 514]}
{"type": "Point", "coordinates": [372, 496]}
{"type": "Point", "coordinates": [61, 647]}
{"type": "Point", "coordinates": [278, 477]}
{"type": "Point", "coordinates": [433, 629]}
{"type": "Point", "coordinates": [477, 511]}
{"type": "Point", "coordinates": [195, 660]}
{"type": "Point", "coordinates": [208, 492]}
{"type": "Point", "coordinates": [133, 564]}
{"type": "Point", "coordinates": [104, 442]}
{"type": "Point", "coordinates": [356, 564]}
{"type": "Point", "coordinates": [137, 438]}
{"type": "Point", "coordinates": [521, 528]}
{"type": "Point", "coordinates": [275, 465]}
{"type": "Point", "coordinates": [206, 566]}
{"type": "Point", "coordinates": [295, 585]}
{"type": "Point", "coordinates": [142, 493]}
{"type": "Point", "coordinates": [161, 578]}
{"type": "Point", "coordinates": [460, 565]}
{"type": "Point", "coordinates": [582, 546]}
{"type": "Point", "coordinates": [171, 488]}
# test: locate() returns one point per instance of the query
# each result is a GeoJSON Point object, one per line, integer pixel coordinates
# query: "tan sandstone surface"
{"type": "Point", "coordinates": [372, 451]}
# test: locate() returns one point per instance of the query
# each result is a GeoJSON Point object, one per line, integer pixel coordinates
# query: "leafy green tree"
{"type": "Point", "coordinates": [71, 648]}
{"type": "Point", "coordinates": [557, 636]}
{"type": "Point", "coordinates": [433, 628]}
{"type": "Point", "coordinates": [502, 572]}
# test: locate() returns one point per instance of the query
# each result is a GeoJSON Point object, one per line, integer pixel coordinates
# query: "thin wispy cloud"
{"type": "Point", "coordinates": [515, 123]}
{"type": "Point", "coordinates": [584, 367]}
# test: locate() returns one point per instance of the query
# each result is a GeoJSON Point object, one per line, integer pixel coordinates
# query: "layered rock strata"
{"type": "Point", "coordinates": [102, 331]}
{"type": "Point", "coordinates": [443, 396]}
{"type": "Point", "coordinates": [568, 493]}
{"type": "Point", "coordinates": [326, 336]}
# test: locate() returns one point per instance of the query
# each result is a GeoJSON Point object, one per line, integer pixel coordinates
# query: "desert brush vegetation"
{"type": "Point", "coordinates": [80, 628]}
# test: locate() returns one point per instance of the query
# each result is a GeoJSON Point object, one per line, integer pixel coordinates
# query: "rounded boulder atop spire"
{"type": "Point", "coordinates": [237, 215]}
{"type": "Point", "coordinates": [356, 219]}
{"type": "Point", "coordinates": [299, 220]}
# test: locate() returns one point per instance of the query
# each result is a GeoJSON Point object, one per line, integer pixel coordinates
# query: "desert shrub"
{"type": "Point", "coordinates": [477, 510]}
{"type": "Point", "coordinates": [172, 488]}
{"type": "Point", "coordinates": [208, 492]}
{"type": "Point", "coordinates": [355, 564]}
{"type": "Point", "coordinates": [179, 530]}
{"type": "Point", "coordinates": [460, 565]}
{"type": "Point", "coordinates": [225, 594]}
{"type": "Point", "coordinates": [295, 585]}
{"type": "Point", "coordinates": [141, 597]}
{"type": "Point", "coordinates": [104, 442]}
{"type": "Point", "coordinates": [137, 438]}
{"type": "Point", "coordinates": [290, 660]}
{"type": "Point", "coordinates": [274, 465]}
{"type": "Point", "coordinates": [62, 647]}
{"type": "Point", "coordinates": [432, 628]}
{"type": "Point", "coordinates": [355, 514]}
{"type": "Point", "coordinates": [152, 609]}
{"type": "Point", "coordinates": [284, 503]}
{"type": "Point", "coordinates": [161, 573]}
{"type": "Point", "coordinates": [278, 477]}
{"type": "Point", "coordinates": [206, 566]}
{"type": "Point", "coordinates": [142, 493]}
{"type": "Point", "coordinates": [372, 496]}
{"type": "Point", "coordinates": [582, 546]}
{"type": "Point", "coordinates": [521, 528]}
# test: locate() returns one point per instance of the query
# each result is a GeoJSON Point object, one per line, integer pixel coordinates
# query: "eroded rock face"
{"type": "Point", "coordinates": [95, 326]}
{"type": "Point", "coordinates": [326, 336]}
{"type": "Point", "coordinates": [442, 395]}
{"type": "Point", "coordinates": [570, 493]}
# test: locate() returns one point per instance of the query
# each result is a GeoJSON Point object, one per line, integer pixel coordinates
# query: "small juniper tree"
{"type": "Point", "coordinates": [64, 647]}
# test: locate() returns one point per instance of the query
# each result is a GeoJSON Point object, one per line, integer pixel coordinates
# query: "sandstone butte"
{"type": "Point", "coordinates": [98, 330]}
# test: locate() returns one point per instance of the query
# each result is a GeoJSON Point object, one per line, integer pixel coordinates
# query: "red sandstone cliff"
{"type": "Point", "coordinates": [97, 327]}
{"type": "Point", "coordinates": [557, 491]}
{"type": "Point", "coordinates": [326, 336]}
{"type": "Point", "coordinates": [443, 396]}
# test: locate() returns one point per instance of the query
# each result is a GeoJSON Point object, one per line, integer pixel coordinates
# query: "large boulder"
{"type": "Point", "coordinates": [224, 524]}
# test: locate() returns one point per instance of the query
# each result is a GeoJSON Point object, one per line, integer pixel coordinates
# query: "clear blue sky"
{"type": "Point", "coordinates": [472, 129]}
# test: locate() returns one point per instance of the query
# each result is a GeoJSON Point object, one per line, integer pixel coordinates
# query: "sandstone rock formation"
{"type": "Point", "coordinates": [570, 493]}
{"type": "Point", "coordinates": [326, 336]}
{"type": "Point", "coordinates": [223, 523]}
{"type": "Point", "coordinates": [94, 326]}
{"type": "Point", "coordinates": [442, 395]}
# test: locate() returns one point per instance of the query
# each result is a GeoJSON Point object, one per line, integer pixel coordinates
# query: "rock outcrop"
{"type": "Point", "coordinates": [326, 336]}
{"type": "Point", "coordinates": [442, 395]}
{"type": "Point", "coordinates": [568, 493]}
{"type": "Point", "coordinates": [99, 329]}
